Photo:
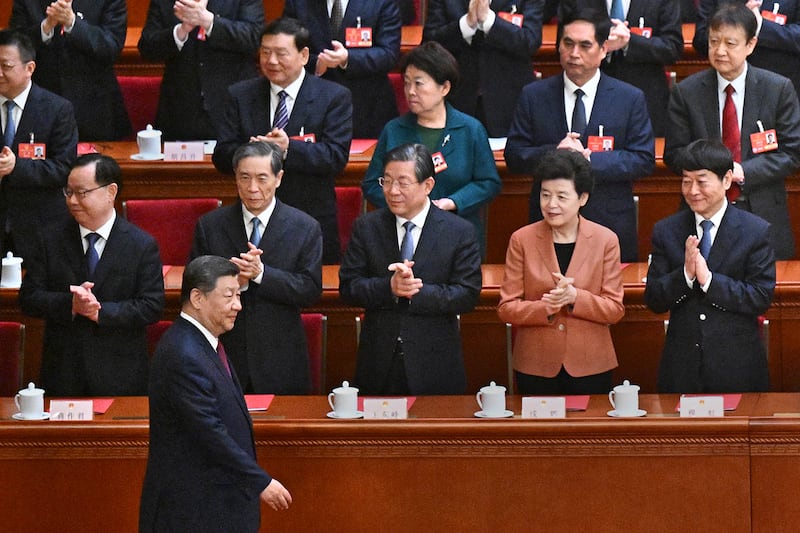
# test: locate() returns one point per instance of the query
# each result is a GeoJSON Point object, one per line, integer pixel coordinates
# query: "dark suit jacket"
{"type": "Point", "coordinates": [197, 77]}
{"type": "Point", "coordinates": [778, 47]}
{"type": "Point", "coordinates": [31, 196]}
{"type": "Point", "coordinates": [367, 69]}
{"type": "Point", "coordinates": [713, 343]}
{"type": "Point", "coordinates": [770, 98]}
{"type": "Point", "coordinates": [540, 123]}
{"type": "Point", "coordinates": [310, 169]}
{"type": "Point", "coordinates": [494, 67]}
{"type": "Point", "coordinates": [81, 357]}
{"type": "Point", "coordinates": [202, 473]}
{"type": "Point", "coordinates": [79, 65]}
{"type": "Point", "coordinates": [642, 64]}
{"type": "Point", "coordinates": [267, 345]}
{"type": "Point", "coordinates": [448, 261]}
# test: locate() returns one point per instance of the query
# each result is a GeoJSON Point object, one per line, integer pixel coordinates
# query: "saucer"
{"type": "Point", "coordinates": [639, 412]}
{"type": "Point", "coordinates": [359, 414]}
{"type": "Point", "coordinates": [43, 416]}
{"type": "Point", "coordinates": [507, 413]}
{"type": "Point", "coordinates": [147, 157]}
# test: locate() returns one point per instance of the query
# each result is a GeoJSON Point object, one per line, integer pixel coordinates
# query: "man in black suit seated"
{"type": "Point", "coordinates": [713, 269]}
{"type": "Point", "coordinates": [30, 185]}
{"type": "Point", "coordinates": [96, 281]}
{"type": "Point", "coordinates": [280, 259]}
{"type": "Point", "coordinates": [77, 44]}
{"type": "Point", "coordinates": [308, 118]}
{"type": "Point", "coordinates": [202, 473]}
{"type": "Point", "coordinates": [414, 268]}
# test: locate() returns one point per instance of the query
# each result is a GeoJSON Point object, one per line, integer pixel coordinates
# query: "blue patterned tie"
{"type": "Point", "coordinates": [407, 248]}
{"type": "Point", "coordinates": [255, 235]}
{"type": "Point", "coordinates": [11, 128]}
{"type": "Point", "coordinates": [281, 113]}
{"type": "Point", "coordinates": [91, 253]}
{"type": "Point", "coordinates": [705, 240]}
{"type": "Point", "coordinates": [579, 113]}
{"type": "Point", "coordinates": [616, 10]}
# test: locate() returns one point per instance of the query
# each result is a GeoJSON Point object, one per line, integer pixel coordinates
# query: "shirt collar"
{"type": "Point", "coordinates": [589, 88]}
{"type": "Point", "coordinates": [292, 89]}
{"type": "Point", "coordinates": [715, 219]}
{"type": "Point", "coordinates": [21, 99]}
{"type": "Point", "coordinates": [104, 231]}
{"type": "Point", "coordinates": [212, 340]}
{"type": "Point", "coordinates": [738, 83]}
{"type": "Point", "coordinates": [419, 218]}
{"type": "Point", "coordinates": [264, 217]}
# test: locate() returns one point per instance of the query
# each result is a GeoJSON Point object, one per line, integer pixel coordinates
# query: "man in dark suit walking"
{"type": "Point", "coordinates": [578, 111]}
{"type": "Point", "coordinates": [760, 102]}
{"type": "Point", "coordinates": [202, 474]}
{"type": "Point", "coordinates": [77, 43]}
{"type": "Point", "coordinates": [205, 47]}
{"type": "Point", "coordinates": [308, 118]}
{"type": "Point", "coordinates": [97, 282]}
{"type": "Point", "coordinates": [414, 268]}
{"type": "Point", "coordinates": [278, 250]}
{"type": "Point", "coordinates": [41, 123]}
{"type": "Point", "coordinates": [362, 65]}
{"type": "Point", "coordinates": [713, 269]}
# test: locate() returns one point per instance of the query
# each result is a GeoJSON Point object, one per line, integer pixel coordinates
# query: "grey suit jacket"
{"type": "Point", "coordinates": [769, 98]}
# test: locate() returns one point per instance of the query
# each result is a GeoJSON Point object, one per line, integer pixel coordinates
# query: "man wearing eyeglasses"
{"type": "Point", "coordinates": [96, 280]}
{"type": "Point", "coordinates": [414, 268]}
{"type": "Point", "coordinates": [30, 179]}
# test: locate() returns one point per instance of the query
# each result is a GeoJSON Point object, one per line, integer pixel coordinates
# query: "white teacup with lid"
{"type": "Point", "coordinates": [11, 274]}
{"type": "Point", "coordinates": [344, 401]}
{"type": "Point", "coordinates": [30, 402]}
{"type": "Point", "coordinates": [625, 399]}
{"type": "Point", "coordinates": [149, 142]}
{"type": "Point", "coordinates": [492, 400]}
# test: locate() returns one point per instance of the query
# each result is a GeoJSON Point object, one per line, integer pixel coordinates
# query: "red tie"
{"type": "Point", "coordinates": [731, 137]}
{"type": "Point", "coordinates": [223, 357]}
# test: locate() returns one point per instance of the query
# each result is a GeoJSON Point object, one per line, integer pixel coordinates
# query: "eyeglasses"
{"type": "Point", "coordinates": [68, 193]}
{"type": "Point", "coordinates": [388, 184]}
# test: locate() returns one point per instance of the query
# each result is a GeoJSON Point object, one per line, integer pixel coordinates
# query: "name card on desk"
{"type": "Point", "coordinates": [185, 152]}
{"type": "Point", "coordinates": [702, 407]}
{"type": "Point", "coordinates": [386, 408]}
{"type": "Point", "coordinates": [544, 407]}
{"type": "Point", "coordinates": [71, 410]}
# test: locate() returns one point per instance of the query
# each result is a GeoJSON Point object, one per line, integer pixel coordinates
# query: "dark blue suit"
{"type": "Point", "coordinates": [495, 66]}
{"type": "Point", "coordinates": [540, 123]}
{"type": "Point", "coordinates": [30, 196]}
{"type": "Point", "coordinates": [642, 64]}
{"type": "Point", "coordinates": [778, 47]}
{"type": "Point", "coordinates": [267, 345]}
{"type": "Point", "coordinates": [713, 342]}
{"type": "Point", "coordinates": [367, 69]}
{"type": "Point", "coordinates": [79, 65]}
{"type": "Point", "coordinates": [448, 261]}
{"type": "Point", "coordinates": [202, 474]}
{"type": "Point", "coordinates": [81, 357]}
{"type": "Point", "coordinates": [197, 77]}
{"type": "Point", "coordinates": [323, 108]}
{"type": "Point", "coordinates": [769, 98]}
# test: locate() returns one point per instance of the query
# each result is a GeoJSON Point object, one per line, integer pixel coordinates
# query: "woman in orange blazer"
{"type": "Point", "coordinates": [562, 287]}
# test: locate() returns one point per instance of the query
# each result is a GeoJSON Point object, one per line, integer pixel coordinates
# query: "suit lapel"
{"type": "Point", "coordinates": [751, 111]}
{"type": "Point", "coordinates": [114, 249]}
{"type": "Point", "coordinates": [710, 97]}
{"type": "Point", "coordinates": [29, 118]}
{"type": "Point", "coordinates": [320, 12]}
{"type": "Point", "coordinates": [259, 112]}
{"type": "Point", "coordinates": [273, 233]}
{"type": "Point", "coordinates": [727, 236]}
{"type": "Point", "coordinates": [73, 254]}
{"type": "Point", "coordinates": [234, 228]}
{"type": "Point", "coordinates": [582, 254]}
{"type": "Point", "coordinates": [305, 102]}
{"type": "Point", "coordinates": [545, 249]}
{"type": "Point", "coordinates": [605, 93]}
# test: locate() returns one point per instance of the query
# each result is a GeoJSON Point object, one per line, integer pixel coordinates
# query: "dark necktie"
{"type": "Point", "coordinates": [255, 235]}
{"type": "Point", "coordinates": [731, 137]}
{"type": "Point", "coordinates": [579, 113]}
{"type": "Point", "coordinates": [407, 248]}
{"type": "Point", "coordinates": [281, 112]}
{"type": "Point", "coordinates": [91, 253]}
{"type": "Point", "coordinates": [705, 240]}
{"type": "Point", "coordinates": [616, 10]}
{"type": "Point", "coordinates": [223, 357]}
{"type": "Point", "coordinates": [11, 128]}
{"type": "Point", "coordinates": [336, 18]}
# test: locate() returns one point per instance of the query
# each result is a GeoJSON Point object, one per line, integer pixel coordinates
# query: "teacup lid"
{"type": "Point", "coordinates": [345, 388]}
{"type": "Point", "coordinates": [9, 259]}
{"type": "Point", "coordinates": [150, 130]}
{"type": "Point", "coordinates": [626, 385]}
{"type": "Point", "coordinates": [31, 390]}
{"type": "Point", "coordinates": [493, 386]}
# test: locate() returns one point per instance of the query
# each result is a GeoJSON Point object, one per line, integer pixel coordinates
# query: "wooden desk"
{"type": "Point", "coordinates": [441, 470]}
